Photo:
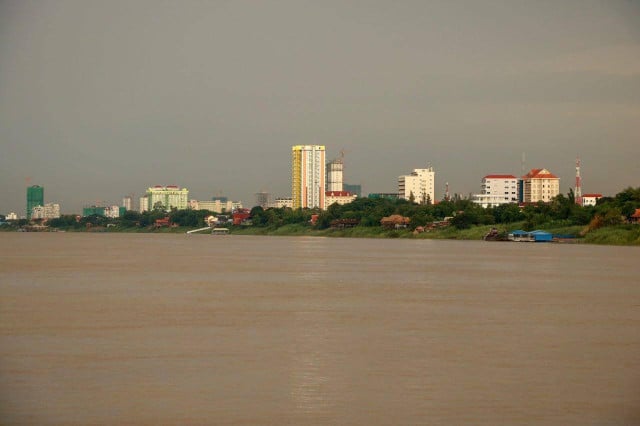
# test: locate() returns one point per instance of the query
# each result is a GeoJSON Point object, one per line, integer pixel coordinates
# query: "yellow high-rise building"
{"type": "Point", "coordinates": [308, 176]}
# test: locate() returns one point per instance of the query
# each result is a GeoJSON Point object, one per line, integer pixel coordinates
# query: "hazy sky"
{"type": "Point", "coordinates": [99, 99]}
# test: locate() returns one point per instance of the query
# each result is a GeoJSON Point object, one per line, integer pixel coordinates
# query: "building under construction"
{"type": "Point", "coordinates": [334, 174]}
{"type": "Point", "coordinates": [35, 197]}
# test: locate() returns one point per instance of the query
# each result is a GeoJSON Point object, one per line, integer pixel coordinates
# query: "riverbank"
{"type": "Point", "coordinates": [611, 235]}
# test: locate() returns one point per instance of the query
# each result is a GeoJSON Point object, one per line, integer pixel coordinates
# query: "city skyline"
{"type": "Point", "coordinates": [105, 99]}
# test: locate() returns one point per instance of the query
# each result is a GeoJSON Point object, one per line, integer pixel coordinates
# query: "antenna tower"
{"type": "Point", "coordinates": [577, 193]}
{"type": "Point", "coordinates": [447, 196]}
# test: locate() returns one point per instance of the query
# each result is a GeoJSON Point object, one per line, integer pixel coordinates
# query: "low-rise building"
{"type": "Point", "coordinates": [590, 199]}
{"type": "Point", "coordinates": [339, 197]}
{"type": "Point", "coordinates": [282, 202]}
{"type": "Point", "coordinates": [216, 206]}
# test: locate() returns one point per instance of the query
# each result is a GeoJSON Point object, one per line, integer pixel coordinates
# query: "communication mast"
{"type": "Point", "coordinates": [577, 193]}
{"type": "Point", "coordinates": [447, 196]}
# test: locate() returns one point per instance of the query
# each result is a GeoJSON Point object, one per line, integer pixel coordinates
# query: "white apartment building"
{"type": "Point", "coordinates": [48, 211]}
{"type": "Point", "coordinates": [216, 206]}
{"type": "Point", "coordinates": [540, 185]}
{"type": "Point", "coordinates": [420, 184]}
{"type": "Point", "coordinates": [340, 197]}
{"type": "Point", "coordinates": [168, 197]}
{"type": "Point", "coordinates": [308, 176]}
{"type": "Point", "coordinates": [497, 190]}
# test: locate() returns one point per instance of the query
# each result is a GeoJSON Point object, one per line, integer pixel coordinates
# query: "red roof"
{"type": "Point", "coordinates": [592, 196]}
{"type": "Point", "coordinates": [636, 214]}
{"type": "Point", "coordinates": [338, 194]}
{"type": "Point", "coordinates": [540, 174]}
{"type": "Point", "coordinates": [499, 177]}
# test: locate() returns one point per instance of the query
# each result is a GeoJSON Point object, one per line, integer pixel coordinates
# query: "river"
{"type": "Point", "coordinates": [199, 329]}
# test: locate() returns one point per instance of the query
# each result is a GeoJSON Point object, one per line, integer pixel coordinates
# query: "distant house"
{"type": "Point", "coordinates": [395, 221]}
{"type": "Point", "coordinates": [162, 222]}
{"type": "Point", "coordinates": [590, 199]}
{"type": "Point", "coordinates": [241, 216]}
{"type": "Point", "coordinates": [635, 217]}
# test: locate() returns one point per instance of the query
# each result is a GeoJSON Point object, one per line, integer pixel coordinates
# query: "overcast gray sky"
{"type": "Point", "coordinates": [99, 99]}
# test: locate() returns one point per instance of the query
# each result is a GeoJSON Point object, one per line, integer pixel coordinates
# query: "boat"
{"type": "Point", "coordinates": [495, 235]}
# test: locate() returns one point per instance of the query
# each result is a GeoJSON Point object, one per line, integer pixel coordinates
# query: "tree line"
{"type": "Point", "coordinates": [367, 212]}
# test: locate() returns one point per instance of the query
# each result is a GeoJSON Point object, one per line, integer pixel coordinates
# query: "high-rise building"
{"type": "Point", "coordinates": [168, 197]}
{"type": "Point", "coordinates": [308, 176]}
{"type": "Point", "coordinates": [540, 185]}
{"type": "Point", "coordinates": [127, 203]}
{"type": "Point", "coordinates": [419, 185]}
{"type": "Point", "coordinates": [335, 170]}
{"type": "Point", "coordinates": [144, 204]}
{"type": "Point", "coordinates": [35, 197]}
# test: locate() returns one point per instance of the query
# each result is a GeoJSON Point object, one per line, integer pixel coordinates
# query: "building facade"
{"type": "Point", "coordinates": [496, 190]}
{"type": "Point", "coordinates": [167, 197]}
{"type": "Point", "coordinates": [334, 174]}
{"type": "Point", "coordinates": [339, 197]}
{"type": "Point", "coordinates": [143, 205]}
{"type": "Point", "coordinates": [590, 199]}
{"type": "Point", "coordinates": [127, 203]}
{"type": "Point", "coordinates": [35, 197]}
{"type": "Point", "coordinates": [113, 211]}
{"type": "Point", "coordinates": [48, 211]}
{"type": "Point", "coordinates": [308, 176]}
{"type": "Point", "coordinates": [282, 202]}
{"type": "Point", "coordinates": [539, 185]}
{"type": "Point", "coordinates": [216, 206]}
{"type": "Point", "coordinates": [420, 185]}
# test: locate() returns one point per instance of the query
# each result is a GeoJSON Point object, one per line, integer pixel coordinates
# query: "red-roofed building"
{"type": "Point", "coordinates": [590, 199]}
{"type": "Point", "coordinates": [635, 217]}
{"type": "Point", "coordinates": [340, 197]}
{"type": "Point", "coordinates": [540, 185]}
{"type": "Point", "coordinates": [496, 190]}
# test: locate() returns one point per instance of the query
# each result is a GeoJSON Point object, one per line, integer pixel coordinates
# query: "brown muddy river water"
{"type": "Point", "coordinates": [199, 329]}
